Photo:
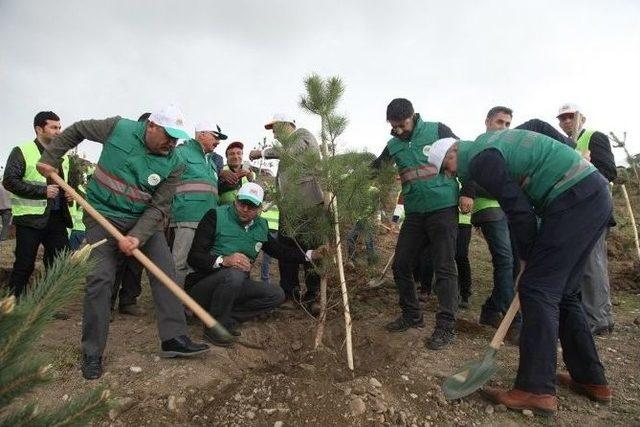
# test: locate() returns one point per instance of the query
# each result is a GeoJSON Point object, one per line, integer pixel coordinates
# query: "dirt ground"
{"type": "Point", "coordinates": [396, 379]}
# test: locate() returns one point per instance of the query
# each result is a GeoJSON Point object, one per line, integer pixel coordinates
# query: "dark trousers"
{"type": "Point", "coordinates": [550, 289]}
{"type": "Point", "coordinates": [498, 238]}
{"type": "Point", "coordinates": [6, 222]}
{"type": "Point", "coordinates": [231, 296]}
{"type": "Point", "coordinates": [423, 271]}
{"type": "Point", "coordinates": [128, 284]}
{"type": "Point", "coordinates": [437, 230]}
{"type": "Point", "coordinates": [53, 237]}
{"type": "Point", "coordinates": [289, 279]}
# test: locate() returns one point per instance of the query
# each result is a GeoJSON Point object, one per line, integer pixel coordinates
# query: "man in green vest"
{"type": "Point", "coordinates": [196, 193]}
{"type": "Point", "coordinates": [595, 147]}
{"type": "Point", "coordinates": [431, 219]}
{"type": "Point", "coordinates": [132, 186]}
{"type": "Point", "coordinates": [40, 210]}
{"type": "Point", "coordinates": [226, 243]}
{"type": "Point", "coordinates": [229, 190]}
{"type": "Point", "coordinates": [531, 176]}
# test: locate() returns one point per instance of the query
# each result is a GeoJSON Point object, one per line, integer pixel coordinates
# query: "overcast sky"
{"type": "Point", "coordinates": [238, 62]}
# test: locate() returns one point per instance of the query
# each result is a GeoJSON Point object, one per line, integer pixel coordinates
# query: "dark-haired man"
{"type": "Point", "coordinates": [40, 209]}
{"type": "Point", "coordinates": [132, 187]}
{"type": "Point", "coordinates": [431, 218]}
{"type": "Point", "coordinates": [228, 191]}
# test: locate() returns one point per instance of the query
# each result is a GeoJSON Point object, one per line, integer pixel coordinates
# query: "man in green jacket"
{"type": "Point", "coordinates": [196, 193]}
{"type": "Point", "coordinates": [132, 186]}
{"type": "Point", "coordinates": [533, 175]}
{"type": "Point", "coordinates": [431, 218]}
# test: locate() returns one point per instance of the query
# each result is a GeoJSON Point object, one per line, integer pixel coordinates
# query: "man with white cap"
{"type": "Point", "coordinates": [196, 193]}
{"type": "Point", "coordinates": [594, 146]}
{"type": "Point", "coordinates": [226, 243]}
{"type": "Point", "coordinates": [306, 188]}
{"type": "Point", "coordinates": [533, 175]}
{"type": "Point", "coordinates": [132, 186]}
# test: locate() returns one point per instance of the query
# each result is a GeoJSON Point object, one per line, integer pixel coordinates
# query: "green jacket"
{"type": "Point", "coordinates": [543, 167]}
{"type": "Point", "coordinates": [232, 236]}
{"type": "Point", "coordinates": [197, 191]}
{"type": "Point", "coordinates": [423, 189]}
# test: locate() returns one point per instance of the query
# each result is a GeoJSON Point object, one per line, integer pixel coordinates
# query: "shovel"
{"type": "Point", "coordinates": [206, 318]}
{"type": "Point", "coordinates": [377, 283]}
{"type": "Point", "coordinates": [475, 374]}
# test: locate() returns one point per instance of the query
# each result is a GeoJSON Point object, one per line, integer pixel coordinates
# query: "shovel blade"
{"type": "Point", "coordinates": [470, 377]}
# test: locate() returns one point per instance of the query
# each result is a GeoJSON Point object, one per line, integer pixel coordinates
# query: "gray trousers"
{"type": "Point", "coordinates": [97, 300]}
{"type": "Point", "coordinates": [183, 237]}
{"type": "Point", "coordinates": [596, 294]}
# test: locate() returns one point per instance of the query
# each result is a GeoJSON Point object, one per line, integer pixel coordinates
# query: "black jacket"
{"type": "Point", "coordinates": [14, 182]}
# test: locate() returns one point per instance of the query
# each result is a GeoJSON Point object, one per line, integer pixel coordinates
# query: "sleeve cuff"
{"type": "Point", "coordinates": [217, 263]}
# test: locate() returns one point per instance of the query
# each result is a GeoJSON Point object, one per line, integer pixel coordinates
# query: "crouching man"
{"type": "Point", "coordinates": [529, 173]}
{"type": "Point", "coordinates": [226, 243]}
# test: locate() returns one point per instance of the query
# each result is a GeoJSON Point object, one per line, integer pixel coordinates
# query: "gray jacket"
{"type": "Point", "coordinates": [299, 141]}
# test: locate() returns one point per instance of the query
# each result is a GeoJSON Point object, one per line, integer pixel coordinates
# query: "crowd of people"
{"type": "Point", "coordinates": [540, 198]}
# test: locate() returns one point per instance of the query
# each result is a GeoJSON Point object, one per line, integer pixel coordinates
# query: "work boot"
{"type": "Point", "coordinates": [541, 404]}
{"type": "Point", "coordinates": [91, 367]}
{"type": "Point", "coordinates": [218, 338]}
{"type": "Point", "coordinates": [464, 303]}
{"type": "Point", "coordinates": [440, 338]}
{"type": "Point", "coordinates": [401, 324]}
{"type": "Point", "coordinates": [602, 330]}
{"type": "Point", "coordinates": [182, 346]}
{"type": "Point", "coordinates": [132, 310]}
{"type": "Point", "coordinates": [423, 296]}
{"type": "Point", "coordinates": [490, 319]}
{"type": "Point", "coordinates": [595, 392]}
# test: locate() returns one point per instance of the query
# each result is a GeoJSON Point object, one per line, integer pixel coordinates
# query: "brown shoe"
{"type": "Point", "coordinates": [597, 393]}
{"type": "Point", "coordinates": [541, 404]}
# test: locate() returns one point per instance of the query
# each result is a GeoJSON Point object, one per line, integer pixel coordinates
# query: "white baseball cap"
{"type": "Point", "coordinates": [172, 120]}
{"type": "Point", "coordinates": [251, 192]}
{"type": "Point", "coordinates": [210, 127]}
{"type": "Point", "coordinates": [280, 117]}
{"type": "Point", "coordinates": [568, 109]}
{"type": "Point", "coordinates": [438, 151]}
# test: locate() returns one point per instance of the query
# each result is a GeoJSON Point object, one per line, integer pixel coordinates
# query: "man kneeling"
{"type": "Point", "coordinates": [226, 242]}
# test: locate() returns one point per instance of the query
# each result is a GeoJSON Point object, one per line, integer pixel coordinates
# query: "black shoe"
{"type": "Point", "coordinates": [490, 319]}
{"type": "Point", "coordinates": [220, 336]}
{"type": "Point", "coordinates": [424, 296]}
{"type": "Point", "coordinates": [401, 324]}
{"type": "Point", "coordinates": [464, 303]}
{"type": "Point", "coordinates": [132, 310]}
{"type": "Point", "coordinates": [182, 346]}
{"type": "Point", "coordinates": [440, 338]}
{"type": "Point", "coordinates": [91, 367]}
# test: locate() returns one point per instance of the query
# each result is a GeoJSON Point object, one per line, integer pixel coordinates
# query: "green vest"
{"type": "Point", "coordinates": [197, 191]}
{"type": "Point", "coordinates": [229, 196]}
{"type": "Point", "coordinates": [272, 215]}
{"type": "Point", "coordinates": [127, 174]}
{"type": "Point", "coordinates": [582, 144]}
{"type": "Point", "coordinates": [423, 189]}
{"type": "Point", "coordinates": [542, 166]}
{"type": "Point", "coordinates": [77, 213]}
{"type": "Point", "coordinates": [464, 219]}
{"type": "Point", "coordinates": [231, 236]}
{"type": "Point", "coordinates": [482, 203]}
{"type": "Point", "coordinates": [22, 206]}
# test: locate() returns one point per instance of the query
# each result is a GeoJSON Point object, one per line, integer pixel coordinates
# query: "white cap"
{"type": "Point", "coordinates": [280, 117]}
{"type": "Point", "coordinates": [251, 192]}
{"type": "Point", "coordinates": [568, 109]}
{"type": "Point", "coordinates": [210, 127]}
{"type": "Point", "coordinates": [438, 151]}
{"type": "Point", "coordinates": [172, 120]}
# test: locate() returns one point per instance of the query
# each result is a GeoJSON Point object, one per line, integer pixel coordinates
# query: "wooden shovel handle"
{"type": "Point", "coordinates": [202, 314]}
{"type": "Point", "coordinates": [508, 317]}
